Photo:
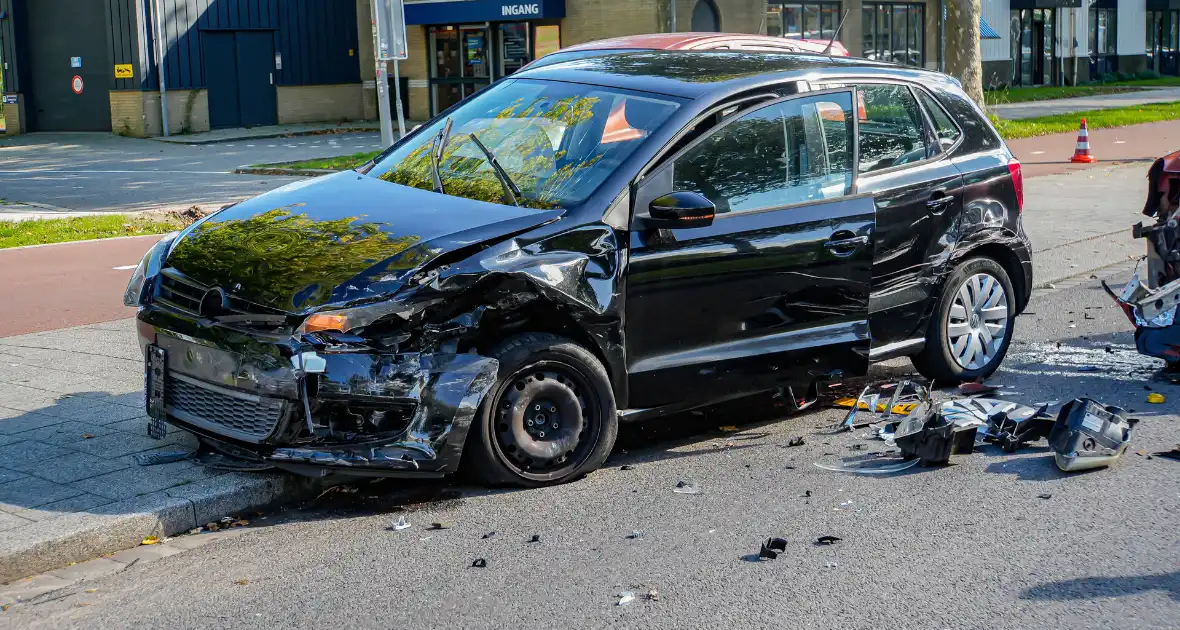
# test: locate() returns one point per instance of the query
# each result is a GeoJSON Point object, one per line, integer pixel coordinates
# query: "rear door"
{"type": "Point", "coordinates": [776, 289]}
{"type": "Point", "coordinates": [919, 196]}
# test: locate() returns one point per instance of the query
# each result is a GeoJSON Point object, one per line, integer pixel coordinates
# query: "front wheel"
{"type": "Point", "coordinates": [549, 419]}
{"type": "Point", "coordinates": [971, 328]}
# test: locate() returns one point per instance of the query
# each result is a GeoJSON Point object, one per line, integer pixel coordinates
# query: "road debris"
{"type": "Point", "coordinates": [400, 524]}
{"type": "Point", "coordinates": [796, 441]}
{"type": "Point", "coordinates": [686, 487]}
{"type": "Point", "coordinates": [652, 595]}
{"type": "Point", "coordinates": [626, 597]}
{"type": "Point", "coordinates": [771, 548]}
{"type": "Point", "coordinates": [626, 467]}
{"type": "Point", "coordinates": [438, 526]}
{"type": "Point", "coordinates": [831, 564]}
{"type": "Point", "coordinates": [479, 563]}
{"type": "Point", "coordinates": [976, 388]}
{"type": "Point", "coordinates": [635, 534]}
{"type": "Point", "coordinates": [1045, 496]}
{"type": "Point", "coordinates": [536, 538]}
{"type": "Point", "coordinates": [729, 428]}
{"type": "Point", "coordinates": [931, 437]}
{"type": "Point", "coordinates": [1156, 398]}
{"type": "Point", "coordinates": [150, 540]}
{"type": "Point", "coordinates": [242, 582]}
{"type": "Point", "coordinates": [1089, 435]}
{"type": "Point", "coordinates": [827, 540]}
{"type": "Point", "coordinates": [1172, 454]}
{"type": "Point", "coordinates": [162, 457]}
{"type": "Point", "coordinates": [873, 467]}
{"type": "Point", "coordinates": [488, 535]}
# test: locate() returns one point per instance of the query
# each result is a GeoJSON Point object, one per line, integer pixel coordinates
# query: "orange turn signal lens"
{"type": "Point", "coordinates": [326, 321]}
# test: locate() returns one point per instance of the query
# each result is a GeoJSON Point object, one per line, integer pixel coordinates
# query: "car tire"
{"type": "Point", "coordinates": [563, 390]}
{"type": "Point", "coordinates": [960, 338]}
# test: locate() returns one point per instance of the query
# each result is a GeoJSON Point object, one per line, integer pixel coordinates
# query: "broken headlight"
{"type": "Point", "coordinates": [147, 269]}
{"type": "Point", "coordinates": [346, 319]}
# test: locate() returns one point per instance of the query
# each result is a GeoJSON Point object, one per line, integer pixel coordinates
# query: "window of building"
{"type": "Point", "coordinates": [1103, 42]}
{"type": "Point", "coordinates": [792, 152]}
{"type": "Point", "coordinates": [894, 32]}
{"type": "Point", "coordinates": [704, 17]}
{"type": "Point", "coordinates": [890, 127]}
{"type": "Point", "coordinates": [813, 20]}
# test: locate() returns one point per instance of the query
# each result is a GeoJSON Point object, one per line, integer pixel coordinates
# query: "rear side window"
{"type": "Point", "coordinates": [946, 131]}
{"type": "Point", "coordinates": [791, 152]}
{"type": "Point", "coordinates": [890, 127]}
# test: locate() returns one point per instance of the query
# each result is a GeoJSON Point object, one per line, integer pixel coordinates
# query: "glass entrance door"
{"type": "Point", "coordinates": [460, 63]}
{"type": "Point", "coordinates": [1163, 31]}
{"type": "Point", "coordinates": [1035, 56]}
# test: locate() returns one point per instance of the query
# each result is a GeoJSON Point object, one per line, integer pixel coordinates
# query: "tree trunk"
{"type": "Point", "coordinates": [964, 60]}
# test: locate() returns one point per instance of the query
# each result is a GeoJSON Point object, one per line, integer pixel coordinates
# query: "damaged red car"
{"type": "Point", "coordinates": [584, 243]}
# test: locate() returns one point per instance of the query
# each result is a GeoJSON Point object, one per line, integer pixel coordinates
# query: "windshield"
{"type": "Point", "coordinates": [556, 142]}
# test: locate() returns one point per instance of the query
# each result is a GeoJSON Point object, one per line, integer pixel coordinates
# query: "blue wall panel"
{"type": "Point", "coordinates": [313, 36]}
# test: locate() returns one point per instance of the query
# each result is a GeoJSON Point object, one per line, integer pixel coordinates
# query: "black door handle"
{"type": "Point", "coordinates": [843, 246]}
{"type": "Point", "coordinates": [938, 203]}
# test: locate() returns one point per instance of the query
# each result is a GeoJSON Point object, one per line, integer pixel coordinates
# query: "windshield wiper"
{"type": "Point", "coordinates": [436, 151]}
{"type": "Point", "coordinates": [510, 187]}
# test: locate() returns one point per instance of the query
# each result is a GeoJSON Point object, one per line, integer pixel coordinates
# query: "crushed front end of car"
{"type": "Point", "coordinates": [320, 342]}
{"type": "Point", "coordinates": [1151, 298]}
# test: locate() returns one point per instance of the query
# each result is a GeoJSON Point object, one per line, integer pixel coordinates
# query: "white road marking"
{"type": "Point", "coordinates": [1038, 152]}
{"type": "Point", "coordinates": [124, 267]}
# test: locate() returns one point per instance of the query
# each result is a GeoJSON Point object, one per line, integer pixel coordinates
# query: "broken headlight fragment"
{"type": "Point", "coordinates": [1089, 435]}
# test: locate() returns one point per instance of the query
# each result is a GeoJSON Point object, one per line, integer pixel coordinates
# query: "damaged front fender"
{"type": "Point", "coordinates": [446, 391]}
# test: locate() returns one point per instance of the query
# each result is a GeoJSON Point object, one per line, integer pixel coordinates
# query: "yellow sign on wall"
{"type": "Point", "coordinates": [548, 41]}
{"type": "Point", "coordinates": [124, 71]}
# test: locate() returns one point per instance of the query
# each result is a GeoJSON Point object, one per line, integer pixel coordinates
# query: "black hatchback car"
{"type": "Point", "coordinates": [584, 243]}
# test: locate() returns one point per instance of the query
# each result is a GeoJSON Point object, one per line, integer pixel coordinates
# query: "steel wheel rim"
{"type": "Point", "coordinates": [556, 398]}
{"type": "Point", "coordinates": [978, 321]}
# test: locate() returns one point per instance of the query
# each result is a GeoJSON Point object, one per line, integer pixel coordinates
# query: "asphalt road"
{"type": "Point", "coordinates": [966, 546]}
{"type": "Point", "coordinates": [104, 172]}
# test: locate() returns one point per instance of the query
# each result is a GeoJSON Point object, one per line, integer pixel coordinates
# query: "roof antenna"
{"type": "Point", "coordinates": [828, 49]}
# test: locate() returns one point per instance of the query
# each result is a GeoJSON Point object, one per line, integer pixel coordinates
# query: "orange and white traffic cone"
{"type": "Point", "coordinates": [1081, 155]}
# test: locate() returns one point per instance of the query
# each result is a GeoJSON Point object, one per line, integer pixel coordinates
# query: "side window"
{"type": "Point", "coordinates": [890, 127]}
{"type": "Point", "coordinates": [946, 131]}
{"type": "Point", "coordinates": [791, 152]}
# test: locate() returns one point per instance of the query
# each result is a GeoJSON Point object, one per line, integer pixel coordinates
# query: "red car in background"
{"type": "Point", "coordinates": [693, 41]}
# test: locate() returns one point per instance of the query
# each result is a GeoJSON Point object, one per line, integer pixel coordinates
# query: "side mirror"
{"type": "Point", "coordinates": [680, 210]}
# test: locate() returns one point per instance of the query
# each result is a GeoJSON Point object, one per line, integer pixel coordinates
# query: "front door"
{"type": "Point", "coordinates": [239, 72]}
{"type": "Point", "coordinates": [776, 290]}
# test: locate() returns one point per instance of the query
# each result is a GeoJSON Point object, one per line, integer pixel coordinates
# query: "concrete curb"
{"type": "Point", "coordinates": [89, 534]}
{"type": "Point", "coordinates": [289, 172]}
{"type": "Point", "coordinates": [265, 136]}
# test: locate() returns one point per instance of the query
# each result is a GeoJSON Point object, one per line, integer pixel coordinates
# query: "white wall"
{"type": "Point", "coordinates": [1081, 32]}
{"type": "Point", "coordinates": [997, 14]}
{"type": "Point", "coordinates": [1132, 26]}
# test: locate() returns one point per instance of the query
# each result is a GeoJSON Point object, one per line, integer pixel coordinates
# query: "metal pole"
{"type": "Point", "coordinates": [941, 35]}
{"type": "Point", "coordinates": [382, 86]}
{"type": "Point", "coordinates": [161, 51]}
{"type": "Point", "coordinates": [672, 3]}
{"type": "Point", "coordinates": [397, 96]}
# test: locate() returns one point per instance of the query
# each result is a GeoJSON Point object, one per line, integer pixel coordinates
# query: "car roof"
{"type": "Point", "coordinates": [678, 41]}
{"type": "Point", "coordinates": [698, 74]}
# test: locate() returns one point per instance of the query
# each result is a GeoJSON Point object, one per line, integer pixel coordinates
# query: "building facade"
{"type": "Point", "coordinates": [1062, 42]}
{"type": "Point", "coordinates": [233, 63]}
{"type": "Point", "coordinates": [92, 65]}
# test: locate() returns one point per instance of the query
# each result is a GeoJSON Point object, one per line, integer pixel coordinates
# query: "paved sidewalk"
{"type": "Point", "coordinates": [71, 422]}
{"type": "Point", "coordinates": [1033, 109]}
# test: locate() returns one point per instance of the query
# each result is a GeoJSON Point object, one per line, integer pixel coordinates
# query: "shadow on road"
{"type": "Point", "coordinates": [1097, 587]}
